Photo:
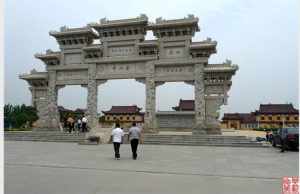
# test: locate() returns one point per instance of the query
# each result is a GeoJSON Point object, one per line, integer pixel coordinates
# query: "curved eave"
{"type": "Point", "coordinates": [35, 76]}
{"type": "Point", "coordinates": [203, 46]}
{"type": "Point", "coordinates": [232, 69]}
{"type": "Point", "coordinates": [84, 32]}
{"type": "Point", "coordinates": [47, 56]}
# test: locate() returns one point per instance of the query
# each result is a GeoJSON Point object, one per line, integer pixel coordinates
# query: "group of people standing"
{"type": "Point", "coordinates": [80, 125]}
{"type": "Point", "coordinates": [134, 136]}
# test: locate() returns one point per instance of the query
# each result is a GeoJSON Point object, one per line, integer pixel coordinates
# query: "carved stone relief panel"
{"type": "Point", "coordinates": [120, 68]}
{"type": "Point", "coordinates": [121, 51]}
{"type": "Point", "coordinates": [72, 75]}
{"type": "Point", "coordinates": [173, 52]}
{"type": "Point", "coordinates": [72, 58]}
{"type": "Point", "coordinates": [174, 70]}
{"type": "Point", "coordinates": [214, 89]}
{"type": "Point", "coordinates": [213, 105]}
{"type": "Point", "coordinates": [40, 94]}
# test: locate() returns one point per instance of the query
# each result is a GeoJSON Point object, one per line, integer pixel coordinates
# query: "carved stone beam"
{"type": "Point", "coordinates": [140, 80]}
{"type": "Point", "coordinates": [58, 87]}
{"type": "Point", "coordinates": [159, 83]}
{"type": "Point", "coordinates": [190, 82]}
{"type": "Point", "coordinates": [84, 85]}
{"type": "Point", "coordinates": [101, 81]}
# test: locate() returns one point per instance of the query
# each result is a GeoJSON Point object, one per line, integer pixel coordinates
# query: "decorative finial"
{"type": "Point", "coordinates": [159, 20]}
{"type": "Point", "coordinates": [228, 62]}
{"type": "Point", "coordinates": [208, 39]}
{"type": "Point", "coordinates": [103, 21]}
{"type": "Point", "coordinates": [63, 28]}
{"type": "Point", "coordinates": [191, 16]}
{"type": "Point", "coordinates": [143, 16]}
{"type": "Point", "coordinates": [48, 51]}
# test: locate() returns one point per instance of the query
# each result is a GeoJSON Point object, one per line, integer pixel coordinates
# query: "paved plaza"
{"type": "Point", "coordinates": [40, 167]}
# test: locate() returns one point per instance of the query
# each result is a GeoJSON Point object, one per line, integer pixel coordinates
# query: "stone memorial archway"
{"type": "Point", "coordinates": [123, 53]}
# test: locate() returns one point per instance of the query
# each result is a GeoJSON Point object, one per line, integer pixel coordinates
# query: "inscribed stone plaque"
{"type": "Point", "coordinates": [72, 58]}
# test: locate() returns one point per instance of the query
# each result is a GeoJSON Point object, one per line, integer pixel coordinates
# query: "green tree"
{"type": "Point", "coordinates": [18, 115]}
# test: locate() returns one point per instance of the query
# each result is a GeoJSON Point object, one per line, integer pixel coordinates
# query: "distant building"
{"type": "Point", "coordinates": [185, 105]}
{"type": "Point", "coordinates": [239, 121]}
{"type": "Point", "coordinates": [277, 115]}
{"type": "Point", "coordinates": [125, 115]}
{"type": "Point", "coordinates": [268, 116]}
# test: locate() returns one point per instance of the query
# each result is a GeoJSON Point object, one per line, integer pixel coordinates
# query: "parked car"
{"type": "Point", "coordinates": [291, 135]}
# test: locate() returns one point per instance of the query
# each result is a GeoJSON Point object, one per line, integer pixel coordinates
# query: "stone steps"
{"type": "Point", "coordinates": [204, 140]}
{"type": "Point", "coordinates": [44, 136]}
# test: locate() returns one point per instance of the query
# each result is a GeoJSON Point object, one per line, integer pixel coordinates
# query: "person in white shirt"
{"type": "Point", "coordinates": [79, 125]}
{"type": "Point", "coordinates": [83, 124]}
{"type": "Point", "coordinates": [117, 138]}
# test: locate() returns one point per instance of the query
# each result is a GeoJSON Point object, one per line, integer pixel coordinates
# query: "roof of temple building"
{"type": "Point", "coordinates": [277, 109]}
{"type": "Point", "coordinates": [124, 110]}
{"type": "Point", "coordinates": [242, 117]}
{"type": "Point", "coordinates": [78, 110]}
{"type": "Point", "coordinates": [185, 105]}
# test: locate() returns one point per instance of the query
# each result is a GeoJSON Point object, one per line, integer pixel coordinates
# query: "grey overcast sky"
{"type": "Point", "coordinates": [260, 36]}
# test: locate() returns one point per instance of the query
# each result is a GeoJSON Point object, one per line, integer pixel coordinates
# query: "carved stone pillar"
{"type": "Point", "coordinates": [150, 123]}
{"type": "Point", "coordinates": [92, 100]}
{"type": "Point", "coordinates": [91, 112]}
{"type": "Point", "coordinates": [33, 96]}
{"type": "Point", "coordinates": [92, 88]}
{"type": "Point", "coordinates": [200, 126]}
{"type": "Point", "coordinates": [53, 114]}
{"type": "Point", "coordinates": [149, 117]}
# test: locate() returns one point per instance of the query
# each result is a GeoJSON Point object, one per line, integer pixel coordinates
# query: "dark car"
{"type": "Point", "coordinates": [290, 135]}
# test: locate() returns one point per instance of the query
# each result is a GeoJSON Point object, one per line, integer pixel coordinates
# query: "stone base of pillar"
{"type": "Point", "coordinates": [207, 129]}
{"type": "Point", "coordinates": [42, 125]}
{"type": "Point", "coordinates": [150, 130]}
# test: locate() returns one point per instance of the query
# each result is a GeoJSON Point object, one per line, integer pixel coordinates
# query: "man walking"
{"type": "Point", "coordinates": [134, 138]}
{"type": "Point", "coordinates": [117, 138]}
{"type": "Point", "coordinates": [84, 124]}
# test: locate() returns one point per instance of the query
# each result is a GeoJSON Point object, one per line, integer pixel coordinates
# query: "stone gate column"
{"type": "Point", "coordinates": [200, 126]}
{"type": "Point", "coordinates": [92, 88]}
{"type": "Point", "coordinates": [92, 103]}
{"type": "Point", "coordinates": [53, 114]}
{"type": "Point", "coordinates": [149, 118]}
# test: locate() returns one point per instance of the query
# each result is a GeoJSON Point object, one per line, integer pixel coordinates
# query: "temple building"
{"type": "Point", "coordinates": [268, 116]}
{"type": "Point", "coordinates": [185, 105]}
{"type": "Point", "coordinates": [277, 115]}
{"type": "Point", "coordinates": [239, 121]}
{"type": "Point", "coordinates": [125, 115]}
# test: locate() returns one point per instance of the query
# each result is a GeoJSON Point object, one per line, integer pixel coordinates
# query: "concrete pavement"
{"type": "Point", "coordinates": [43, 167]}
